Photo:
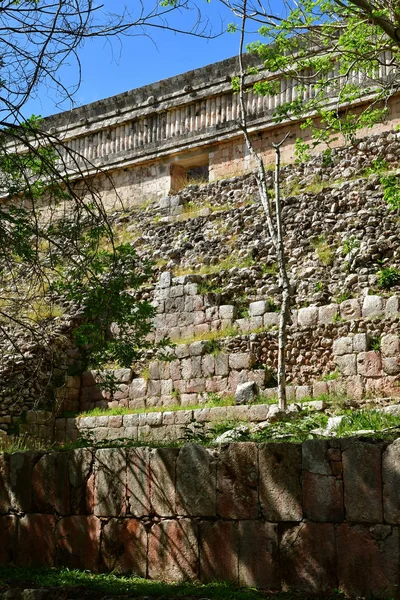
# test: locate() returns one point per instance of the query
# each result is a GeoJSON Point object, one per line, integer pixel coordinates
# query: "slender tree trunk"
{"type": "Point", "coordinates": [274, 225]}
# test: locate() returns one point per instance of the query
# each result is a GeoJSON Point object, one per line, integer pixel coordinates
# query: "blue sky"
{"type": "Point", "coordinates": [111, 67]}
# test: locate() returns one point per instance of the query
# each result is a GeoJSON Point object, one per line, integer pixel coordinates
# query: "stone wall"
{"type": "Point", "coordinates": [314, 517]}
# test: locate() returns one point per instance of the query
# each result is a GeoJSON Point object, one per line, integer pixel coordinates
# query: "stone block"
{"type": "Point", "coordinates": [308, 558]}
{"type": "Point", "coordinates": [350, 310]}
{"type": "Point", "coordinates": [308, 317]}
{"type": "Point", "coordinates": [173, 551]}
{"type": "Point", "coordinates": [123, 375]}
{"type": "Point", "coordinates": [237, 482]}
{"type": "Point", "coordinates": [347, 364]}
{"type": "Point", "coordinates": [124, 547]}
{"type": "Point", "coordinates": [218, 551]}
{"type": "Point", "coordinates": [279, 482]}
{"type": "Point", "coordinates": [196, 482]}
{"type": "Point", "coordinates": [391, 366]}
{"type": "Point", "coordinates": [368, 559]}
{"type": "Point", "coordinates": [360, 342]}
{"type": "Point", "coordinates": [342, 345]}
{"type": "Point", "coordinates": [110, 482]}
{"type": "Point", "coordinates": [392, 307]}
{"type": "Point", "coordinates": [256, 323]}
{"type": "Point", "coordinates": [81, 481]}
{"type": "Point", "coordinates": [221, 364]}
{"type": "Point", "coordinates": [138, 388]}
{"type": "Point", "coordinates": [167, 387]}
{"type": "Point", "coordinates": [391, 482]}
{"type": "Point", "coordinates": [8, 539]}
{"type": "Point", "coordinates": [257, 309]}
{"type": "Point", "coordinates": [217, 414]}
{"type": "Point", "coordinates": [19, 477]}
{"type": "Point", "coordinates": [369, 364]}
{"type": "Point", "coordinates": [323, 498]}
{"type": "Point", "coordinates": [259, 412]}
{"type": "Point", "coordinates": [50, 484]}
{"type": "Point", "coordinates": [241, 360]}
{"type": "Point", "coordinates": [303, 391]}
{"type": "Point", "coordinates": [153, 387]}
{"type": "Point", "coordinates": [165, 280]}
{"type": "Point", "coordinates": [258, 555]}
{"type": "Point", "coordinates": [271, 319]}
{"type": "Point", "coordinates": [390, 345]}
{"type": "Point", "coordinates": [216, 384]}
{"type": "Point", "coordinates": [362, 476]}
{"type": "Point", "coordinates": [78, 542]}
{"type": "Point", "coordinates": [162, 467]}
{"type": "Point", "coordinates": [314, 457]}
{"type": "Point", "coordinates": [245, 393]}
{"type": "Point", "coordinates": [208, 365]}
{"type": "Point", "coordinates": [36, 541]}
{"type": "Point", "coordinates": [227, 311]}
{"type": "Point", "coordinates": [327, 313]}
{"type": "Point", "coordinates": [138, 481]}
{"type": "Point", "coordinates": [319, 388]}
{"type": "Point", "coordinates": [181, 351]}
{"type": "Point", "coordinates": [197, 348]}
{"type": "Point", "coordinates": [373, 306]}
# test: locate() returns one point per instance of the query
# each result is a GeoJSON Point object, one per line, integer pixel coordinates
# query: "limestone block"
{"type": "Point", "coordinates": [236, 378]}
{"type": "Point", "coordinates": [196, 481]}
{"type": "Point", "coordinates": [162, 467]}
{"type": "Point", "coordinates": [327, 313]}
{"type": "Point", "coordinates": [165, 369]}
{"type": "Point", "coordinates": [130, 537]}
{"type": "Point", "coordinates": [241, 360]}
{"type": "Point", "coordinates": [216, 384]}
{"type": "Point", "coordinates": [221, 364]}
{"type": "Point", "coordinates": [362, 478]}
{"type": "Point", "coordinates": [257, 309]}
{"type": "Point", "coordinates": [35, 550]}
{"type": "Point", "coordinates": [308, 317]}
{"type": "Point", "coordinates": [196, 386]}
{"type": "Point", "coordinates": [391, 366]}
{"type": "Point", "coordinates": [323, 498]}
{"type": "Point", "coordinates": [227, 311]}
{"type": "Point", "coordinates": [259, 376]}
{"type": "Point", "coordinates": [390, 345]}
{"type": "Point", "coordinates": [197, 348]}
{"type": "Point", "coordinates": [191, 289]}
{"type": "Point", "coordinates": [392, 307]}
{"type": "Point", "coordinates": [154, 369]}
{"type": "Point", "coordinates": [303, 391]}
{"type": "Point", "coordinates": [258, 555]}
{"type": "Point", "coordinates": [208, 365]}
{"type": "Point", "coordinates": [165, 280]}
{"type": "Point", "coordinates": [243, 325]}
{"type": "Point", "coordinates": [167, 387]}
{"type": "Point", "coordinates": [368, 559]}
{"type": "Point", "coordinates": [391, 482]}
{"type": "Point", "coordinates": [319, 388]}
{"type": "Point", "coordinates": [245, 393]}
{"type": "Point", "coordinates": [130, 420]}
{"type": "Point", "coordinates": [153, 387]}
{"type": "Point", "coordinates": [199, 317]}
{"type": "Point", "coordinates": [189, 399]}
{"type": "Point", "coordinates": [369, 364]}
{"type": "Point", "coordinates": [138, 481]}
{"type": "Point", "coordinates": [360, 342]}
{"type": "Point", "coordinates": [173, 554]}
{"type": "Point", "coordinates": [218, 551]}
{"type": "Point", "coordinates": [78, 542]}
{"type": "Point", "coordinates": [347, 364]}
{"type": "Point", "coordinates": [110, 482]}
{"type": "Point", "coordinates": [280, 488]}
{"type": "Point", "coordinates": [350, 309]}
{"type": "Point", "coordinates": [183, 417]}
{"type": "Point", "coordinates": [211, 313]}
{"type": "Point", "coordinates": [271, 319]}
{"type": "Point", "coordinates": [182, 351]}
{"type": "Point", "coordinates": [176, 291]}
{"type": "Point", "coordinates": [372, 306]}
{"type": "Point", "coordinates": [259, 412]}
{"type": "Point", "coordinates": [123, 375]}
{"type": "Point", "coordinates": [115, 421]}
{"type": "Point", "coordinates": [308, 558]}
{"type": "Point", "coordinates": [50, 484]}
{"type": "Point", "coordinates": [342, 345]}
{"type": "Point", "coordinates": [237, 482]}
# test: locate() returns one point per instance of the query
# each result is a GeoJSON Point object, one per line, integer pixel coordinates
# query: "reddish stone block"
{"type": "Point", "coordinates": [323, 498]}
{"type": "Point", "coordinates": [173, 550]}
{"type": "Point", "coordinates": [237, 482]}
{"type": "Point", "coordinates": [78, 542]}
{"type": "Point", "coordinates": [368, 559]}
{"type": "Point", "coordinates": [138, 481]}
{"type": "Point", "coordinates": [280, 477]}
{"type": "Point", "coordinates": [258, 555]}
{"type": "Point", "coordinates": [36, 541]}
{"type": "Point", "coordinates": [50, 484]}
{"type": "Point", "coordinates": [218, 551]}
{"type": "Point", "coordinates": [362, 477]}
{"type": "Point", "coordinates": [8, 532]}
{"type": "Point", "coordinates": [124, 546]}
{"type": "Point", "coordinates": [162, 466]}
{"type": "Point", "coordinates": [369, 364]}
{"type": "Point", "coordinates": [308, 558]}
{"type": "Point", "coordinates": [196, 482]}
{"type": "Point", "coordinates": [110, 482]}
{"type": "Point", "coordinates": [21, 467]}
{"type": "Point", "coordinates": [5, 498]}
{"type": "Point", "coordinates": [391, 482]}
{"type": "Point", "coordinates": [81, 480]}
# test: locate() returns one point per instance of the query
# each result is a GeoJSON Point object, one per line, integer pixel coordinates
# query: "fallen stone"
{"type": "Point", "coordinates": [245, 393]}
{"type": "Point", "coordinates": [233, 435]}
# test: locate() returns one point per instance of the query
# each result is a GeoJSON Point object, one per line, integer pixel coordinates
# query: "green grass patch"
{"type": "Point", "coordinates": [374, 420]}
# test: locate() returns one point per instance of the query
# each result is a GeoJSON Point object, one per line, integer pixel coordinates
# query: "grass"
{"type": "Point", "coordinates": [366, 420]}
{"type": "Point", "coordinates": [224, 265]}
{"type": "Point", "coordinates": [210, 336]}
{"type": "Point", "coordinates": [323, 250]}
{"type": "Point", "coordinates": [10, 444]}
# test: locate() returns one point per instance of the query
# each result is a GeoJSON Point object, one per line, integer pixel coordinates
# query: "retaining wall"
{"type": "Point", "coordinates": [314, 517]}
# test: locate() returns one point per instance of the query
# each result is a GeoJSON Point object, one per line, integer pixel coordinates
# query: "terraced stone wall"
{"type": "Point", "coordinates": [314, 517]}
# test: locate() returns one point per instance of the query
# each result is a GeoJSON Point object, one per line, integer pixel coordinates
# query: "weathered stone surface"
{"type": "Point", "coordinates": [237, 482]}
{"type": "Point", "coordinates": [347, 364]}
{"type": "Point", "coordinates": [218, 551]}
{"type": "Point", "coordinates": [362, 477]}
{"type": "Point", "coordinates": [308, 317]}
{"type": "Point", "coordinates": [257, 309]}
{"type": "Point", "coordinates": [258, 555]}
{"type": "Point", "coordinates": [36, 541]}
{"type": "Point", "coordinates": [360, 342]}
{"type": "Point", "coordinates": [323, 498]}
{"type": "Point", "coordinates": [20, 481]}
{"type": "Point", "coordinates": [350, 309]}
{"type": "Point", "coordinates": [78, 542]}
{"type": "Point", "coordinates": [173, 550]}
{"type": "Point", "coordinates": [124, 547]}
{"type": "Point", "coordinates": [314, 457]}
{"type": "Point", "coordinates": [81, 481]}
{"type": "Point", "coordinates": [392, 306]}
{"type": "Point", "coordinates": [138, 388]}
{"type": "Point", "coordinates": [221, 364]}
{"type": "Point", "coordinates": [343, 345]}
{"type": "Point", "coordinates": [196, 480]}
{"type": "Point", "coordinates": [50, 483]}
{"type": "Point", "coordinates": [245, 393]}
{"type": "Point", "coordinates": [390, 345]}
{"type": "Point", "coordinates": [162, 466]}
{"type": "Point", "coordinates": [391, 366]}
{"type": "Point", "coordinates": [280, 489]}
{"type": "Point", "coordinates": [227, 311]}
{"type": "Point", "coordinates": [308, 558]}
{"type": "Point", "coordinates": [372, 306]}
{"type": "Point", "coordinates": [241, 360]}
{"type": "Point", "coordinates": [368, 561]}
{"type": "Point", "coordinates": [326, 313]}
{"type": "Point", "coordinates": [369, 364]}
{"type": "Point", "coordinates": [8, 538]}
{"type": "Point", "coordinates": [391, 482]}
{"type": "Point", "coordinates": [110, 482]}
{"type": "Point", "coordinates": [138, 481]}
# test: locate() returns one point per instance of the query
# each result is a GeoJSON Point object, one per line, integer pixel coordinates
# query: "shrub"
{"type": "Point", "coordinates": [388, 277]}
